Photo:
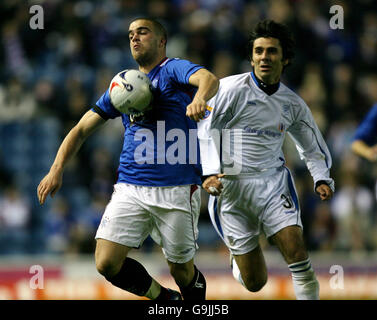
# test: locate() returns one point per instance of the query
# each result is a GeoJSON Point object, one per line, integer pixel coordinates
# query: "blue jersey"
{"type": "Point", "coordinates": [367, 130]}
{"type": "Point", "coordinates": [162, 148]}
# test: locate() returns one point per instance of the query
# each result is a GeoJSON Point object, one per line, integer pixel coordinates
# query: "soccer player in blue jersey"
{"type": "Point", "coordinates": [156, 193]}
{"type": "Point", "coordinates": [257, 192]}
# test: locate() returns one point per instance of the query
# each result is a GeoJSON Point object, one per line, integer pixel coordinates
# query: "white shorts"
{"type": "Point", "coordinates": [247, 205]}
{"type": "Point", "coordinates": [169, 214]}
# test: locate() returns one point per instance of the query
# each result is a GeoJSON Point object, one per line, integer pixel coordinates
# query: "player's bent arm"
{"type": "Point", "coordinates": [76, 137]}
{"type": "Point", "coordinates": [208, 85]}
{"type": "Point", "coordinates": [52, 182]}
{"type": "Point", "coordinates": [362, 149]}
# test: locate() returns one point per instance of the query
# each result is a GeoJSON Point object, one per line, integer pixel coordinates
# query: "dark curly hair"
{"type": "Point", "coordinates": [272, 29]}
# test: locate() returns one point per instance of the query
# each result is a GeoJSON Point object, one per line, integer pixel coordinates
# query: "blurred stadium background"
{"type": "Point", "coordinates": [50, 77]}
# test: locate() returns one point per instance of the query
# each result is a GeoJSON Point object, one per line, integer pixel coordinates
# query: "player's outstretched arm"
{"type": "Point", "coordinates": [208, 85]}
{"type": "Point", "coordinates": [52, 182]}
{"type": "Point", "coordinates": [362, 149]}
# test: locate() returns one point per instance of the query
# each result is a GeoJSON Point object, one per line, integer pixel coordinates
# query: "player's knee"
{"type": "Point", "coordinates": [107, 267]}
{"type": "Point", "coordinates": [255, 284]}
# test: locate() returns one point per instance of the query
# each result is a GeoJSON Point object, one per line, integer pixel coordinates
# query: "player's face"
{"type": "Point", "coordinates": [145, 44]}
{"type": "Point", "coordinates": [268, 59]}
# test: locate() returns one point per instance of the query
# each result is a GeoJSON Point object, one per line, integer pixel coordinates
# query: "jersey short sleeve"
{"type": "Point", "coordinates": [105, 108]}
{"type": "Point", "coordinates": [181, 70]}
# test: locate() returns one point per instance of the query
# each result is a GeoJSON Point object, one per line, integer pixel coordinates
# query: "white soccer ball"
{"type": "Point", "coordinates": [130, 92]}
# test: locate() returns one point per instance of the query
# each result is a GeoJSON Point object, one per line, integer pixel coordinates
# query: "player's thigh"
{"type": "Point", "coordinates": [281, 204]}
{"type": "Point", "coordinates": [110, 256]}
{"type": "Point", "coordinates": [176, 222]}
{"type": "Point", "coordinates": [126, 220]}
{"type": "Point", "coordinates": [290, 242]}
{"type": "Point", "coordinates": [234, 217]}
{"type": "Point", "coordinates": [252, 266]}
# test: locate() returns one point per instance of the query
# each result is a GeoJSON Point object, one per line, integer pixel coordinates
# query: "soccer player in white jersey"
{"type": "Point", "coordinates": [157, 196]}
{"type": "Point", "coordinates": [256, 193]}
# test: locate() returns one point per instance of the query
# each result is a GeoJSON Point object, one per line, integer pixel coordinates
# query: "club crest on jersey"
{"type": "Point", "coordinates": [155, 83]}
{"type": "Point", "coordinates": [281, 127]}
{"type": "Point", "coordinates": [286, 108]}
{"type": "Point", "coordinates": [207, 112]}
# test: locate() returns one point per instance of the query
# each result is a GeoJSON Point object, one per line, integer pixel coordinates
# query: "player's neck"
{"type": "Point", "coordinates": [267, 88]}
{"type": "Point", "coordinates": [150, 66]}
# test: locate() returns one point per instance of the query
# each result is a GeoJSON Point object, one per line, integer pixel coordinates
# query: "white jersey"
{"type": "Point", "coordinates": [244, 130]}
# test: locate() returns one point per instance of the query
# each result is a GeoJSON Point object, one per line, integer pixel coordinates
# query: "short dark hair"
{"type": "Point", "coordinates": [157, 25]}
{"type": "Point", "coordinates": [272, 29]}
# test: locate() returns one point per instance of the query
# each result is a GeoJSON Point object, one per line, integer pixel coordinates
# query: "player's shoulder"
{"type": "Point", "coordinates": [235, 79]}
{"type": "Point", "coordinates": [169, 62]}
{"type": "Point", "coordinates": [235, 82]}
{"type": "Point", "coordinates": [174, 65]}
{"type": "Point", "coordinates": [290, 95]}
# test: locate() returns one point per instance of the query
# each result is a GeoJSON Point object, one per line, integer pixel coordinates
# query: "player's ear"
{"type": "Point", "coordinates": [163, 42]}
{"type": "Point", "coordinates": [285, 62]}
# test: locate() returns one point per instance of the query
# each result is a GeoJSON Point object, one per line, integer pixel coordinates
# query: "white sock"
{"type": "Point", "coordinates": [236, 271]}
{"type": "Point", "coordinates": [305, 283]}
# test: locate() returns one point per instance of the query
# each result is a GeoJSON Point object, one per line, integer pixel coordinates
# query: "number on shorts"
{"type": "Point", "coordinates": [287, 201]}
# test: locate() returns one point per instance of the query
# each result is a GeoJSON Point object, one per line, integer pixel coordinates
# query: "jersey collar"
{"type": "Point", "coordinates": [269, 89]}
{"type": "Point", "coordinates": [157, 67]}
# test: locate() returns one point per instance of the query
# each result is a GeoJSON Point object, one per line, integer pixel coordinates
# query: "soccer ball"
{"type": "Point", "coordinates": [130, 92]}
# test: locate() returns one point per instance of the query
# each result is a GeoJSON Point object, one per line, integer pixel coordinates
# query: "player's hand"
{"type": "Point", "coordinates": [324, 192]}
{"type": "Point", "coordinates": [51, 183]}
{"type": "Point", "coordinates": [213, 185]}
{"type": "Point", "coordinates": [196, 109]}
{"type": "Point", "coordinates": [372, 154]}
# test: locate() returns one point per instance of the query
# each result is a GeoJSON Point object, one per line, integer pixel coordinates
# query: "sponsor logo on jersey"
{"type": "Point", "coordinates": [251, 103]}
{"type": "Point", "coordinates": [264, 132]}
